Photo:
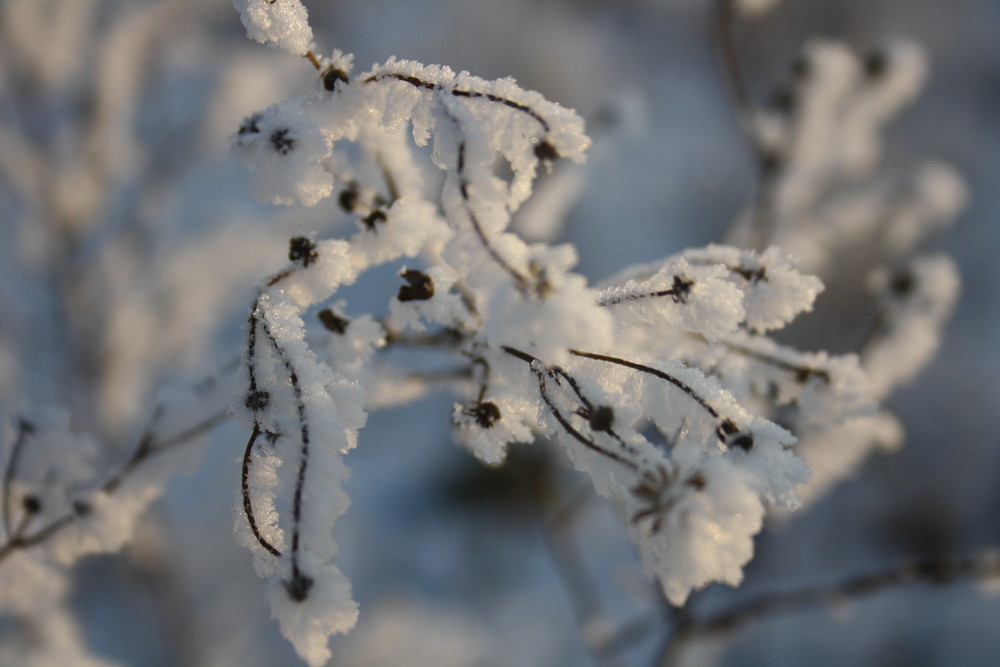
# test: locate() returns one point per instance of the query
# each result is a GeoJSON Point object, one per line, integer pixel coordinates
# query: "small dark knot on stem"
{"type": "Point", "coordinates": [331, 75]}
{"type": "Point", "coordinates": [731, 436]}
{"type": "Point", "coordinates": [680, 290]}
{"type": "Point", "coordinates": [486, 413]}
{"type": "Point", "coordinates": [601, 418]}
{"type": "Point", "coordinates": [333, 322]}
{"type": "Point", "coordinates": [31, 504]}
{"type": "Point", "coordinates": [302, 249]}
{"type": "Point", "coordinates": [298, 586]}
{"type": "Point", "coordinates": [257, 400]}
{"type": "Point", "coordinates": [546, 151]}
{"type": "Point", "coordinates": [281, 142]}
{"type": "Point", "coordinates": [420, 287]}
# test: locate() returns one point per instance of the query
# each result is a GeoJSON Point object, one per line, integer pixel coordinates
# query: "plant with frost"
{"type": "Point", "coordinates": [657, 383]}
{"type": "Point", "coordinates": [663, 383]}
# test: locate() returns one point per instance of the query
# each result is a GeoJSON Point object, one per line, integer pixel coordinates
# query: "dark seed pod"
{"type": "Point", "coordinates": [545, 150]}
{"type": "Point", "coordinates": [331, 75]}
{"type": "Point", "coordinates": [302, 249]}
{"type": "Point", "coordinates": [420, 287]}
{"type": "Point", "coordinates": [333, 322]}
{"type": "Point", "coordinates": [281, 142]}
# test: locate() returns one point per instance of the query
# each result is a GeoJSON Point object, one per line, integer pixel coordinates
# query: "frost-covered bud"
{"type": "Point", "coordinates": [693, 534]}
{"type": "Point", "coordinates": [50, 466]}
{"type": "Point", "coordinates": [280, 23]}
{"type": "Point", "coordinates": [335, 71]}
{"type": "Point", "coordinates": [487, 427]}
{"type": "Point", "coordinates": [774, 291]}
{"type": "Point", "coordinates": [679, 295]}
{"type": "Point", "coordinates": [918, 299]}
{"type": "Point", "coordinates": [427, 298]}
{"type": "Point", "coordinates": [288, 148]}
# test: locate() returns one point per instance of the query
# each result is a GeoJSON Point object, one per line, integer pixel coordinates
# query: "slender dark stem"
{"type": "Point", "coordinates": [519, 278]}
{"type": "Point", "coordinates": [147, 449]}
{"type": "Point", "coordinates": [245, 488]}
{"type": "Point", "coordinates": [390, 180]}
{"type": "Point", "coordinates": [542, 371]}
{"type": "Point", "coordinates": [933, 570]}
{"type": "Point", "coordinates": [642, 368]}
{"type": "Point", "coordinates": [802, 373]}
{"type": "Point", "coordinates": [23, 429]}
{"type": "Point", "coordinates": [299, 585]}
{"type": "Point", "coordinates": [20, 541]}
{"type": "Point", "coordinates": [457, 92]}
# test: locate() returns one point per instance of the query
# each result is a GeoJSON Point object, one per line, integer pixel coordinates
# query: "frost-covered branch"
{"type": "Point", "coordinates": [937, 570]}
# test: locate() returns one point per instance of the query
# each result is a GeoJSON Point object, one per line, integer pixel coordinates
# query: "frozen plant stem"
{"type": "Point", "coordinates": [938, 570]}
{"type": "Point", "coordinates": [147, 449]}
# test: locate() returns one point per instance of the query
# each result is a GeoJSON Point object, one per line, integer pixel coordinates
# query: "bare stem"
{"type": "Point", "coordinates": [933, 570]}
{"type": "Point", "coordinates": [147, 449]}
{"type": "Point", "coordinates": [23, 429]}
{"type": "Point", "coordinates": [542, 372]}
{"type": "Point", "coordinates": [245, 488]}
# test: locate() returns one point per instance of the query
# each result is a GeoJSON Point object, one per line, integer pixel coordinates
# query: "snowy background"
{"type": "Point", "coordinates": [117, 115]}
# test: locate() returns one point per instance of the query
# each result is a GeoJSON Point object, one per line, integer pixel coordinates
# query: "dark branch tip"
{"type": "Point", "coordinates": [731, 436]}
{"type": "Point", "coordinates": [486, 413]}
{"type": "Point", "coordinates": [349, 198]}
{"type": "Point", "coordinates": [601, 418]}
{"type": "Point", "coordinates": [376, 216]}
{"type": "Point", "coordinates": [420, 287]}
{"type": "Point", "coordinates": [249, 125]}
{"type": "Point", "coordinates": [680, 290]}
{"type": "Point", "coordinates": [696, 481]}
{"type": "Point", "coordinates": [876, 64]}
{"type": "Point", "coordinates": [298, 586]}
{"type": "Point", "coordinates": [331, 75]}
{"type": "Point", "coordinates": [258, 400]}
{"type": "Point", "coordinates": [546, 151]}
{"type": "Point", "coordinates": [333, 322]}
{"type": "Point", "coordinates": [281, 142]}
{"type": "Point", "coordinates": [801, 67]}
{"type": "Point", "coordinates": [31, 504]}
{"type": "Point", "coordinates": [903, 282]}
{"type": "Point", "coordinates": [771, 161]}
{"type": "Point", "coordinates": [302, 249]}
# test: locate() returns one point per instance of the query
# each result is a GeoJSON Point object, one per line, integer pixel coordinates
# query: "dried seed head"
{"type": "Point", "coordinates": [302, 249]}
{"type": "Point", "coordinates": [332, 321]}
{"type": "Point", "coordinates": [420, 287]}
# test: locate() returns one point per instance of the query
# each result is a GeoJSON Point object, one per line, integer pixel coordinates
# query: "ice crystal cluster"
{"type": "Point", "coordinates": [663, 384]}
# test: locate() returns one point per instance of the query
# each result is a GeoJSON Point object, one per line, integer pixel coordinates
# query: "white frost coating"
{"type": "Point", "coordinates": [708, 536]}
{"type": "Point", "coordinates": [677, 346]}
{"type": "Point", "coordinates": [917, 300]}
{"type": "Point", "coordinates": [280, 23]}
{"type": "Point", "coordinates": [487, 434]}
{"type": "Point", "coordinates": [680, 296]}
{"type": "Point", "coordinates": [831, 452]}
{"type": "Point", "coordinates": [328, 609]}
{"type": "Point", "coordinates": [287, 147]}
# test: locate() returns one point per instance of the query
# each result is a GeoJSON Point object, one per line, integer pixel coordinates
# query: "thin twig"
{"type": "Point", "coordinates": [933, 570]}
{"type": "Point", "coordinates": [245, 490]}
{"type": "Point", "coordinates": [146, 450]}
{"type": "Point", "coordinates": [23, 429]}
